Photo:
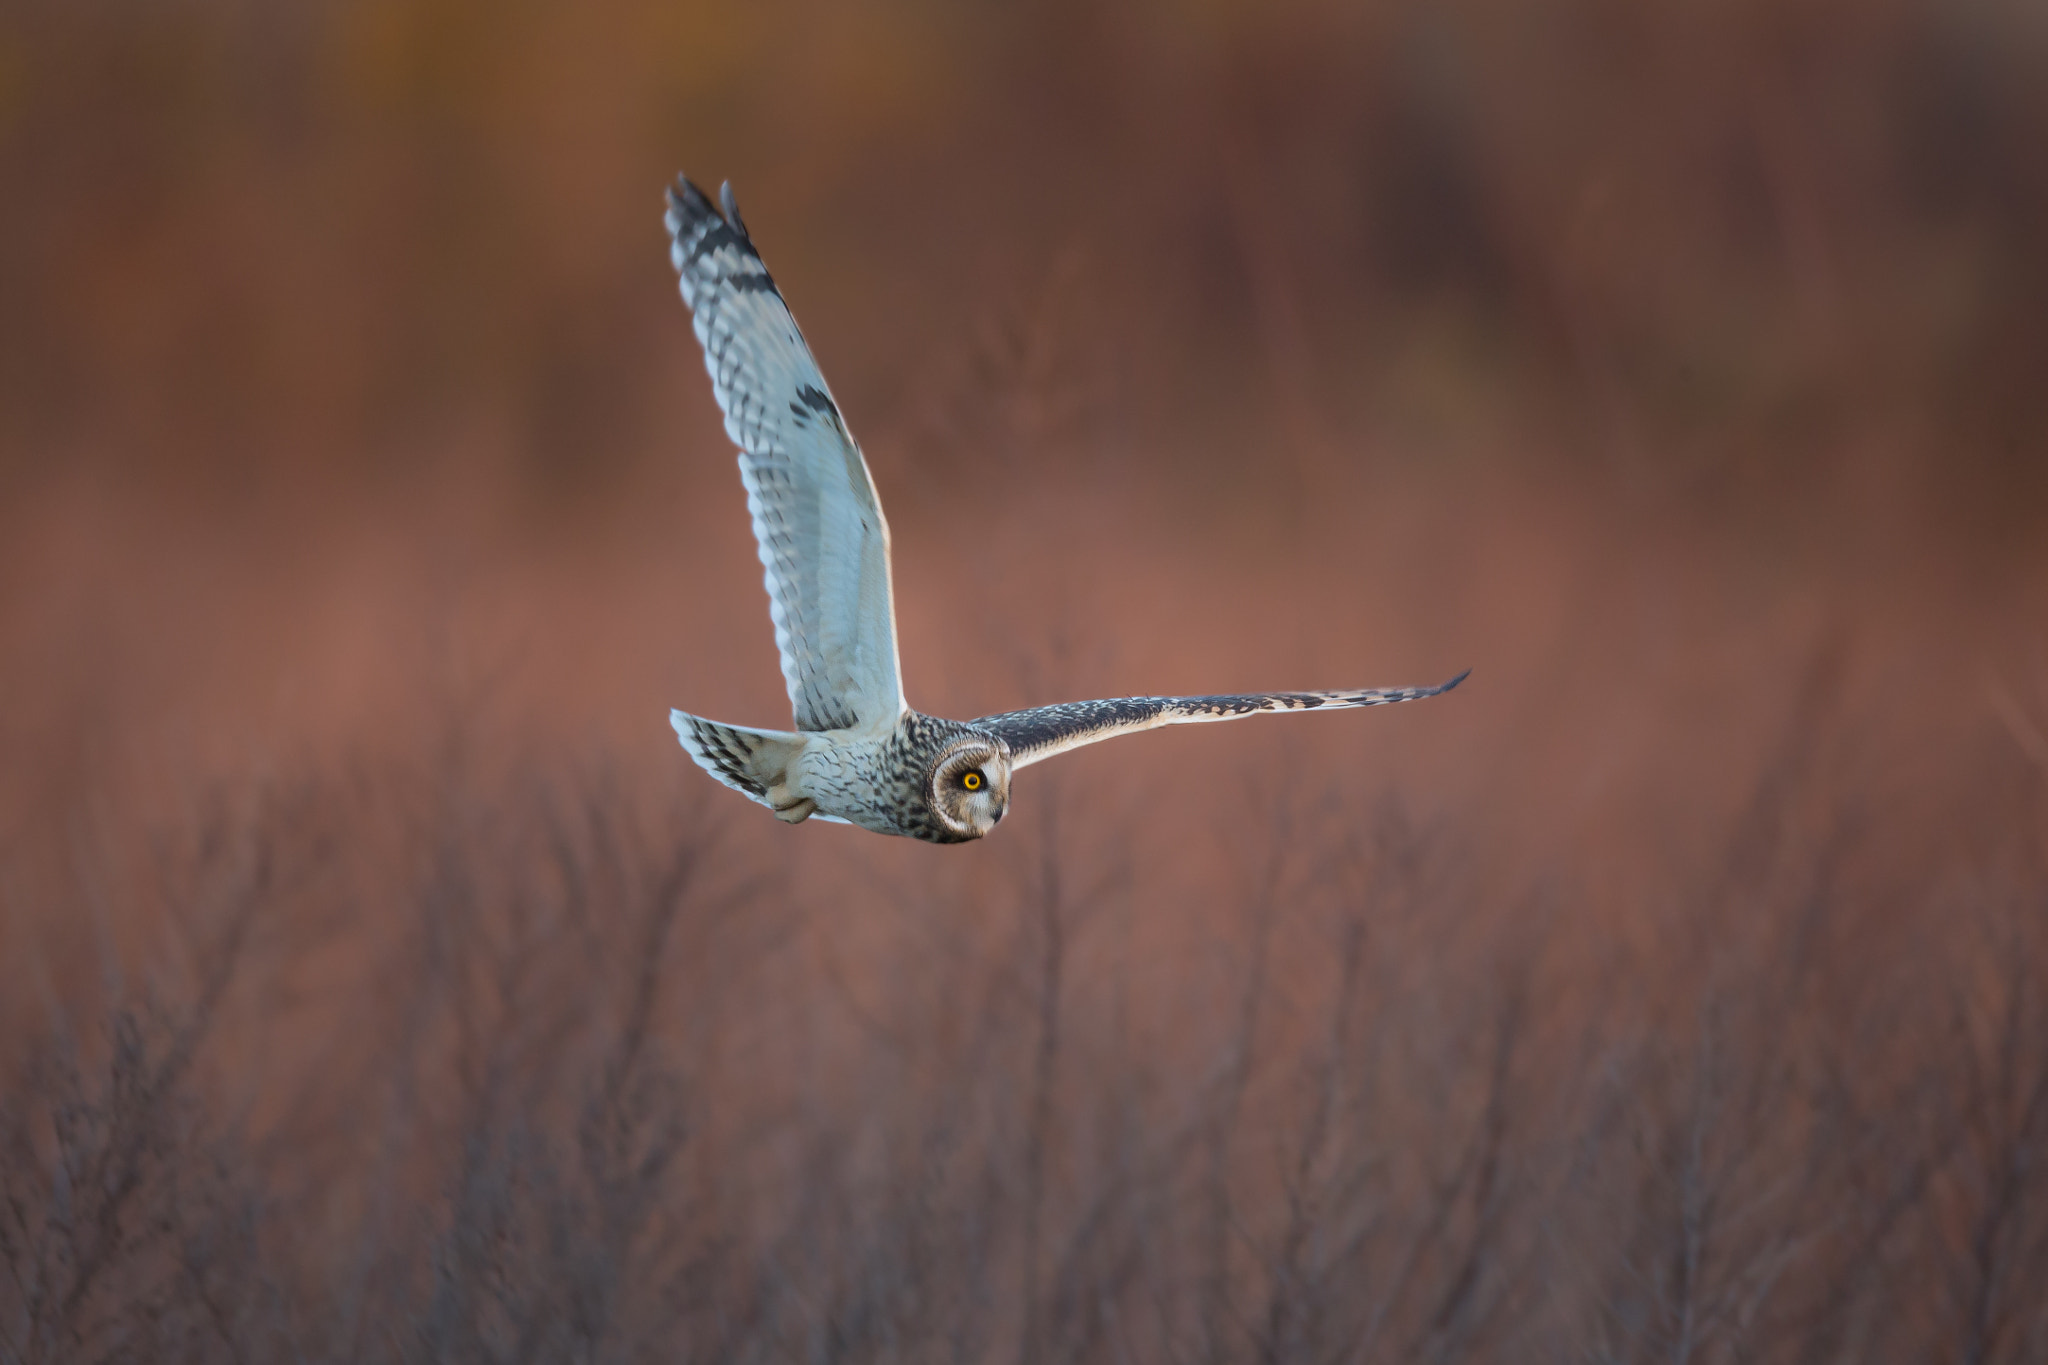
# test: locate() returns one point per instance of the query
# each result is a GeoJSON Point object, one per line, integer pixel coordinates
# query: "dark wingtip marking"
{"type": "Point", "coordinates": [686, 196]}
{"type": "Point", "coordinates": [1455, 681]}
{"type": "Point", "coordinates": [693, 220]}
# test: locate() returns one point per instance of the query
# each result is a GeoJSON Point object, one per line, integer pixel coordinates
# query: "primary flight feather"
{"type": "Point", "coordinates": [859, 753]}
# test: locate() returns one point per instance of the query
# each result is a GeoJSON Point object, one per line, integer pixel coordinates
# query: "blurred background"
{"type": "Point", "coordinates": [1682, 370]}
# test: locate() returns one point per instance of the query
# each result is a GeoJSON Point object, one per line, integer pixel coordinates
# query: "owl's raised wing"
{"type": "Point", "coordinates": [1043, 731]}
{"type": "Point", "coordinates": [824, 543]}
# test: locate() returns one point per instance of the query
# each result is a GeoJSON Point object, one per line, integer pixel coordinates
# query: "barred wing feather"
{"type": "Point", "coordinates": [1043, 731]}
{"type": "Point", "coordinates": [823, 540]}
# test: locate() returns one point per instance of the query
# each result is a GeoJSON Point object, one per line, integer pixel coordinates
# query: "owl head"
{"type": "Point", "coordinates": [969, 786]}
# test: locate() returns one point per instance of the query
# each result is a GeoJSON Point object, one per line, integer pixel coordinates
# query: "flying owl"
{"type": "Point", "coordinates": [859, 754]}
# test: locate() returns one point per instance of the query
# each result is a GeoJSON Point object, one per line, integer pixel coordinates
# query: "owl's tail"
{"type": "Point", "coordinates": [754, 763]}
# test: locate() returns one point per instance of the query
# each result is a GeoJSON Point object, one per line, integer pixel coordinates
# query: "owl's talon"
{"type": "Point", "coordinates": [797, 811]}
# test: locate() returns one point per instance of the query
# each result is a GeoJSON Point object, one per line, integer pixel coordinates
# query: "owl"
{"type": "Point", "coordinates": [860, 754]}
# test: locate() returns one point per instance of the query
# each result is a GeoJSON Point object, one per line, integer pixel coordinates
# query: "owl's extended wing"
{"type": "Point", "coordinates": [824, 543]}
{"type": "Point", "coordinates": [1043, 731]}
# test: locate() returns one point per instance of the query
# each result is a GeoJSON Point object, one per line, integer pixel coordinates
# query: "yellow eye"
{"type": "Point", "coordinates": [972, 782]}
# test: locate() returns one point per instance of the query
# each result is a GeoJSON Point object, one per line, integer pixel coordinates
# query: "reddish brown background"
{"type": "Point", "coordinates": [1679, 369]}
